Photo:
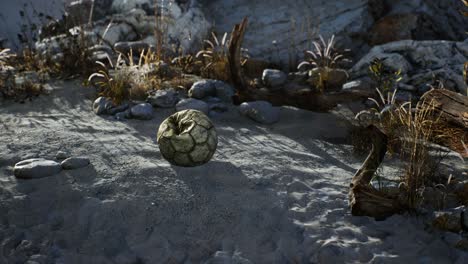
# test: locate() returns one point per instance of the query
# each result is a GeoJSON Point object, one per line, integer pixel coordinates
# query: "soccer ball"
{"type": "Point", "coordinates": [187, 138]}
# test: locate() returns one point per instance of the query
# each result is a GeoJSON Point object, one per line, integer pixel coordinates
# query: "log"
{"type": "Point", "coordinates": [364, 199]}
{"type": "Point", "coordinates": [452, 109]}
{"type": "Point", "coordinates": [235, 55]}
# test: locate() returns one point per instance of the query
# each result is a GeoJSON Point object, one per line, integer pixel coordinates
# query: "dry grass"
{"type": "Point", "coordinates": [114, 82]}
{"type": "Point", "coordinates": [412, 130]}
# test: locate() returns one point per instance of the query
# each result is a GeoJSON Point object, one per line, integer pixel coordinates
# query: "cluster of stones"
{"type": "Point", "coordinates": [41, 168]}
{"type": "Point", "coordinates": [187, 138]}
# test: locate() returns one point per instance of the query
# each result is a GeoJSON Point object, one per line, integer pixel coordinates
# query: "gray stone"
{"type": "Point", "coordinates": [36, 168]}
{"type": "Point", "coordinates": [123, 115]}
{"type": "Point", "coordinates": [437, 19]}
{"type": "Point", "coordinates": [224, 91]}
{"type": "Point", "coordinates": [75, 163]}
{"type": "Point", "coordinates": [191, 103]}
{"type": "Point", "coordinates": [420, 62]}
{"type": "Point", "coordinates": [102, 105]}
{"type": "Point", "coordinates": [118, 109]}
{"type": "Point", "coordinates": [142, 111]}
{"type": "Point", "coordinates": [164, 98]}
{"type": "Point", "coordinates": [202, 89]}
{"type": "Point", "coordinates": [260, 111]}
{"type": "Point", "coordinates": [61, 155]}
{"type": "Point", "coordinates": [404, 96]}
{"type": "Point", "coordinates": [274, 78]}
{"type": "Point", "coordinates": [212, 88]}
{"type": "Point", "coordinates": [135, 46]}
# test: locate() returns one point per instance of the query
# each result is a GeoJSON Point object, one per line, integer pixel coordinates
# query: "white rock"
{"type": "Point", "coordinates": [36, 168]}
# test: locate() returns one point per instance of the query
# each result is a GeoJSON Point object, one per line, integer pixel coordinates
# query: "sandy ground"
{"type": "Point", "coordinates": [271, 194]}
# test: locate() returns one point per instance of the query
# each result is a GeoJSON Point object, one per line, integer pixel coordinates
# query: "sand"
{"type": "Point", "coordinates": [271, 194]}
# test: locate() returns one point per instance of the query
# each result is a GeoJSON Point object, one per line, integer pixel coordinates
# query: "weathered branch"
{"type": "Point", "coordinates": [235, 55]}
{"type": "Point", "coordinates": [364, 199]}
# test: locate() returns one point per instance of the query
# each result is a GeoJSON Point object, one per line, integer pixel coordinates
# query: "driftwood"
{"type": "Point", "coordinates": [364, 199]}
{"type": "Point", "coordinates": [306, 99]}
{"type": "Point", "coordinates": [451, 106]}
{"type": "Point", "coordinates": [452, 109]}
{"type": "Point", "coordinates": [235, 55]}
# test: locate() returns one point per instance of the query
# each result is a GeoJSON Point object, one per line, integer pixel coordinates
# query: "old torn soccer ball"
{"type": "Point", "coordinates": [187, 138]}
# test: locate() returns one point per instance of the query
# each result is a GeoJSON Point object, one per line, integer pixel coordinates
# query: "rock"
{"type": "Point", "coordinates": [135, 46]}
{"type": "Point", "coordinates": [213, 88]}
{"type": "Point", "coordinates": [407, 88]}
{"type": "Point", "coordinates": [142, 111]}
{"type": "Point", "coordinates": [118, 109]}
{"type": "Point", "coordinates": [164, 98]}
{"type": "Point", "coordinates": [118, 32]}
{"type": "Point", "coordinates": [202, 89]}
{"type": "Point", "coordinates": [260, 111]}
{"type": "Point", "coordinates": [404, 96]}
{"type": "Point", "coordinates": [224, 91]}
{"type": "Point", "coordinates": [102, 105]}
{"type": "Point", "coordinates": [330, 252]}
{"type": "Point", "coordinates": [194, 104]}
{"type": "Point", "coordinates": [36, 168]}
{"type": "Point", "coordinates": [274, 78]}
{"type": "Point", "coordinates": [351, 21]}
{"type": "Point", "coordinates": [61, 155]}
{"type": "Point", "coordinates": [78, 11]}
{"type": "Point", "coordinates": [420, 62]}
{"type": "Point", "coordinates": [75, 163]}
{"type": "Point", "coordinates": [123, 115]}
{"type": "Point", "coordinates": [187, 138]}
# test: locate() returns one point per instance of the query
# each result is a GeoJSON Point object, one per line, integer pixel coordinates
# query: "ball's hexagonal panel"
{"type": "Point", "coordinates": [187, 138]}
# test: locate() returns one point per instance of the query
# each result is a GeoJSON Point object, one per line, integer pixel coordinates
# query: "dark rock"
{"type": "Point", "coordinates": [142, 111]}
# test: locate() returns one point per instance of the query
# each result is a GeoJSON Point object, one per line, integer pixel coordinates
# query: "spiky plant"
{"type": "Point", "coordinates": [5, 57]}
{"type": "Point", "coordinates": [114, 82]}
{"type": "Point", "coordinates": [378, 115]}
{"type": "Point", "coordinates": [323, 57]}
{"type": "Point", "coordinates": [215, 58]}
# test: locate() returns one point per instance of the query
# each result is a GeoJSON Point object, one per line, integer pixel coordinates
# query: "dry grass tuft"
{"type": "Point", "coordinates": [412, 130]}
